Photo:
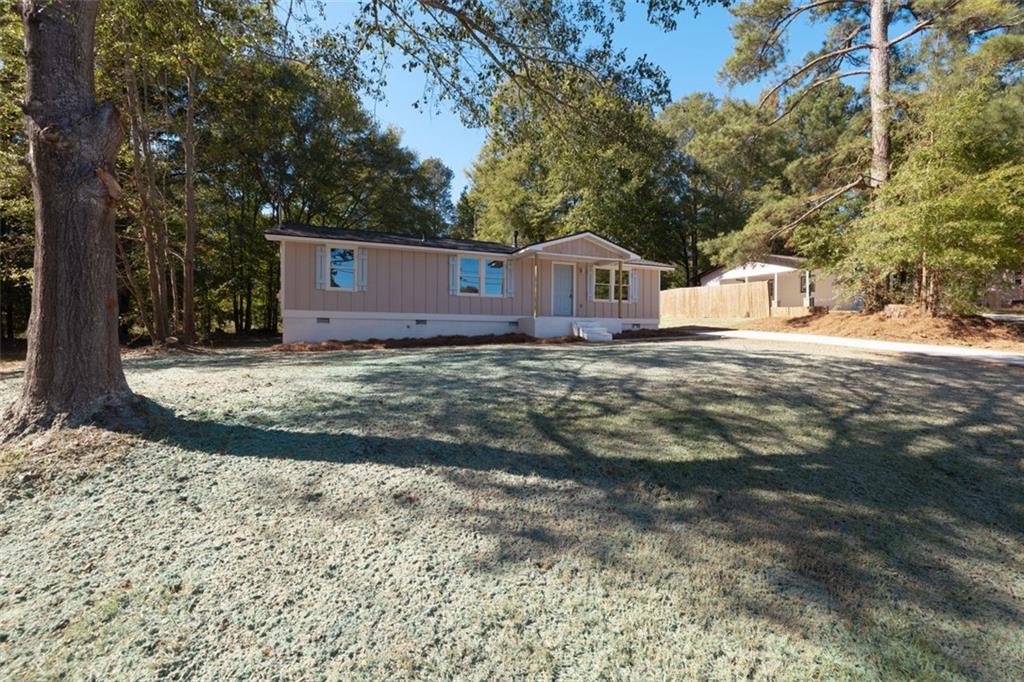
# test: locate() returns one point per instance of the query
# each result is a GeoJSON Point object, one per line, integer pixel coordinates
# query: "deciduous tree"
{"type": "Point", "coordinates": [73, 368]}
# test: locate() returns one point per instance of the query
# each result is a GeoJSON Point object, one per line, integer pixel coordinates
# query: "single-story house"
{"type": "Point", "coordinates": [789, 284]}
{"type": "Point", "coordinates": [359, 284]}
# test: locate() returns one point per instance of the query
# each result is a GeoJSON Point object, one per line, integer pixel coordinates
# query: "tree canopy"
{"type": "Point", "coordinates": [612, 171]}
{"type": "Point", "coordinates": [934, 237]}
{"type": "Point", "coordinates": [952, 215]}
{"type": "Point", "coordinates": [276, 139]}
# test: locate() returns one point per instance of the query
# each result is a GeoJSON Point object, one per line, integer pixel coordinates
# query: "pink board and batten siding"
{"type": "Point", "coordinates": [645, 307]}
{"type": "Point", "coordinates": [408, 281]}
{"type": "Point", "coordinates": [397, 281]}
{"type": "Point", "coordinates": [407, 291]}
{"type": "Point", "coordinates": [583, 247]}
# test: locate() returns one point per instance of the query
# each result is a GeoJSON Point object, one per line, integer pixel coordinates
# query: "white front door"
{"type": "Point", "coordinates": [561, 296]}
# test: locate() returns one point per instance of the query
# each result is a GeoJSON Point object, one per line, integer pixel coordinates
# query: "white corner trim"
{"type": "Point", "coordinates": [280, 284]}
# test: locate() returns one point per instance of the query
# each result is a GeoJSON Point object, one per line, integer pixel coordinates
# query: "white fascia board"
{"type": "Point", "coordinates": [755, 269]}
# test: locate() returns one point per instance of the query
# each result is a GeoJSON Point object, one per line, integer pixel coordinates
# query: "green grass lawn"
{"type": "Point", "coordinates": [697, 509]}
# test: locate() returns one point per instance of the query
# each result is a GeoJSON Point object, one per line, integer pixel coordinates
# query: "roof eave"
{"type": "Point", "coordinates": [270, 236]}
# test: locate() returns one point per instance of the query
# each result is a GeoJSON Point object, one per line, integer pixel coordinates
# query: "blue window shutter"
{"type": "Point", "coordinates": [510, 279]}
{"type": "Point", "coordinates": [453, 275]}
{"type": "Point", "coordinates": [361, 268]}
{"type": "Point", "coordinates": [590, 282]}
{"type": "Point", "coordinates": [321, 273]}
{"type": "Point", "coordinates": [633, 280]}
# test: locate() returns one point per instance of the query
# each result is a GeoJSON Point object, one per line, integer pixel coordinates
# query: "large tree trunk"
{"type": "Point", "coordinates": [879, 91]}
{"type": "Point", "coordinates": [189, 144]}
{"type": "Point", "coordinates": [73, 368]}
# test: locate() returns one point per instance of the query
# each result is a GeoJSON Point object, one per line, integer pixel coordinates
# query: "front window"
{"type": "Point", "coordinates": [602, 284]}
{"type": "Point", "coordinates": [494, 278]}
{"type": "Point", "coordinates": [469, 275]}
{"type": "Point", "coordinates": [623, 285]}
{"type": "Point", "coordinates": [480, 276]}
{"type": "Point", "coordinates": [343, 269]}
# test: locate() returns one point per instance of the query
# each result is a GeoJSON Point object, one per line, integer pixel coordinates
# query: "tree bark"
{"type": "Point", "coordinates": [879, 92]}
{"type": "Point", "coordinates": [189, 144]}
{"type": "Point", "coordinates": [73, 368]}
{"type": "Point", "coordinates": [172, 281]}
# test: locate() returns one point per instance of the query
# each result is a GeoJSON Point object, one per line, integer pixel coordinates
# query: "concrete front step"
{"type": "Point", "coordinates": [590, 331]}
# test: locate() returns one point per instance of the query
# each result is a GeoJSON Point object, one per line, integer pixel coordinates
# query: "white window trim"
{"type": "Point", "coordinates": [355, 268]}
{"type": "Point", "coordinates": [629, 285]}
{"type": "Point", "coordinates": [613, 284]}
{"type": "Point", "coordinates": [483, 277]}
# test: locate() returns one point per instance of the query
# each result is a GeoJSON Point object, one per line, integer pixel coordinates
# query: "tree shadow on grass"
{"type": "Point", "coordinates": [859, 487]}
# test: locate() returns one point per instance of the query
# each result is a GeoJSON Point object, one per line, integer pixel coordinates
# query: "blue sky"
{"type": "Point", "coordinates": [691, 56]}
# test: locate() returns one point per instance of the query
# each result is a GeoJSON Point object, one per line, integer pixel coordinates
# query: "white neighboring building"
{"type": "Point", "coordinates": [1006, 292]}
{"type": "Point", "coordinates": [789, 284]}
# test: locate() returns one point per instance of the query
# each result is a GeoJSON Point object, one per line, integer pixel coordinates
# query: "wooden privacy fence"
{"type": "Point", "coordinates": [726, 301]}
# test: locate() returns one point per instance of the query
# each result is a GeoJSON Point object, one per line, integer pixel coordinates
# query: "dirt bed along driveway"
{"type": "Point", "coordinates": [711, 509]}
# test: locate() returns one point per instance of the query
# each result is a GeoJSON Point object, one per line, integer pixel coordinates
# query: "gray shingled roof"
{"type": "Point", "coordinates": [371, 236]}
{"type": "Point", "coordinates": [374, 237]}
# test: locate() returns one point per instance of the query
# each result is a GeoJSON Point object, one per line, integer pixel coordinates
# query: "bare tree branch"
{"type": "Point", "coordinates": [921, 25]}
{"type": "Point", "coordinates": [820, 204]}
{"type": "Point", "coordinates": [783, 23]}
{"type": "Point", "coordinates": [997, 27]}
{"type": "Point", "coordinates": [808, 66]}
{"type": "Point", "coordinates": [816, 84]}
